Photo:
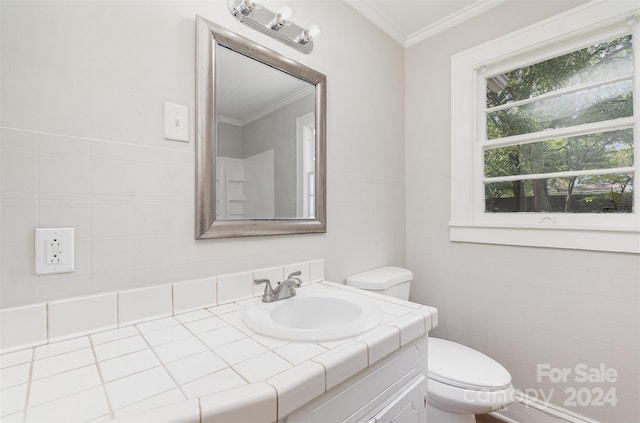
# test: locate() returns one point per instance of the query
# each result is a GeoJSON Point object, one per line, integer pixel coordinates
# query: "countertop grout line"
{"type": "Point", "coordinates": [102, 381]}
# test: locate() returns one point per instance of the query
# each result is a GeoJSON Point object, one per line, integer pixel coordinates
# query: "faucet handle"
{"type": "Point", "coordinates": [268, 290]}
{"type": "Point", "coordinates": [293, 275]}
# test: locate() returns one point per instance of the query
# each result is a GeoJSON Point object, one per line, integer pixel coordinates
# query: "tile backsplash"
{"type": "Point", "coordinates": [39, 324]}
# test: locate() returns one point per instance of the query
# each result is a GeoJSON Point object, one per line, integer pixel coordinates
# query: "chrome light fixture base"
{"type": "Point", "coordinates": [262, 19]}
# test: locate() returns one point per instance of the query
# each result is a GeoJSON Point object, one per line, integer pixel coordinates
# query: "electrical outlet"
{"type": "Point", "coordinates": [54, 250]}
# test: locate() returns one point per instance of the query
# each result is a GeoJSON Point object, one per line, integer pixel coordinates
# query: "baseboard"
{"type": "Point", "coordinates": [529, 408]}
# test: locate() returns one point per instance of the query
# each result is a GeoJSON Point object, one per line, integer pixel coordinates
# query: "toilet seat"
{"type": "Point", "coordinates": [463, 367]}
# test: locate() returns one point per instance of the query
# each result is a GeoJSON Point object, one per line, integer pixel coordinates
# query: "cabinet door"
{"type": "Point", "coordinates": [408, 407]}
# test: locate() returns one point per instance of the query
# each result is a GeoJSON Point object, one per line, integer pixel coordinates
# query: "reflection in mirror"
{"type": "Point", "coordinates": [265, 123]}
{"type": "Point", "coordinates": [260, 153]}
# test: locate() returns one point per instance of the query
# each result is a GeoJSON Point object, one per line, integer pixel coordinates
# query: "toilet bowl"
{"type": "Point", "coordinates": [462, 382]}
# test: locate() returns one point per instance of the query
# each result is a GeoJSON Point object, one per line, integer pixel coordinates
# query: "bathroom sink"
{"type": "Point", "coordinates": [313, 315]}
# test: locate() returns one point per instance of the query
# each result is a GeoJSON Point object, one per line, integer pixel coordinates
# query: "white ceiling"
{"type": "Point", "coordinates": [409, 22]}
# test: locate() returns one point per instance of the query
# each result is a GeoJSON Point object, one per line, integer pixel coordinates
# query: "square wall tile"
{"type": "Point", "coordinates": [255, 403]}
{"type": "Point", "coordinates": [19, 215]}
{"type": "Point", "coordinates": [63, 145]}
{"type": "Point", "coordinates": [112, 177]}
{"type": "Point", "coordinates": [82, 315]}
{"type": "Point", "coordinates": [22, 327]}
{"type": "Point", "coordinates": [316, 271]}
{"type": "Point", "coordinates": [19, 282]}
{"type": "Point", "coordinates": [110, 255]}
{"type": "Point", "coordinates": [19, 171]}
{"type": "Point", "coordinates": [194, 294]}
{"type": "Point", "coordinates": [138, 305]}
{"type": "Point", "coordinates": [63, 174]}
{"type": "Point", "coordinates": [236, 286]}
{"type": "Point", "coordinates": [18, 139]}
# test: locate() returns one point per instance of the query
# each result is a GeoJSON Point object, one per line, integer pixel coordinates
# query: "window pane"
{"type": "Point", "coordinates": [593, 151]}
{"type": "Point", "coordinates": [597, 104]}
{"type": "Point", "coordinates": [585, 194]}
{"type": "Point", "coordinates": [597, 63]}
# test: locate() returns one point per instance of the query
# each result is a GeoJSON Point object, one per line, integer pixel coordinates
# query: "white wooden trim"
{"type": "Point", "coordinates": [469, 222]}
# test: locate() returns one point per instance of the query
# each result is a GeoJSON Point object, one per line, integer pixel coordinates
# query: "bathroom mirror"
{"type": "Point", "coordinates": [260, 139]}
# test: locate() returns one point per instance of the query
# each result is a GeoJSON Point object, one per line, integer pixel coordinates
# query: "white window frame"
{"type": "Point", "coordinates": [593, 22]}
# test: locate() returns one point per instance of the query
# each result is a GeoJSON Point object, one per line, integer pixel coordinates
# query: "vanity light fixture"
{"type": "Point", "coordinates": [278, 25]}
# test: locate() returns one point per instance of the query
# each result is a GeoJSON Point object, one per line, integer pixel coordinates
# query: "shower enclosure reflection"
{"type": "Point", "coordinates": [265, 123]}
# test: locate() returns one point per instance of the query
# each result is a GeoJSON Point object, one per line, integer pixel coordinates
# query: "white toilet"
{"type": "Point", "coordinates": [462, 382]}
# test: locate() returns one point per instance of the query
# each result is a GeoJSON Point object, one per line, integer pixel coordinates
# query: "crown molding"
{"type": "Point", "coordinates": [382, 22]}
{"type": "Point", "coordinates": [378, 20]}
{"type": "Point", "coordinates": [452, 20]}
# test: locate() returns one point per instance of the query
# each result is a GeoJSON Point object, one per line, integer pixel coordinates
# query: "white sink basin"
{"type": "Point", "coordinates": [314, 314]}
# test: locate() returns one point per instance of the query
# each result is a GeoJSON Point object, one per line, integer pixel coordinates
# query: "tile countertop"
{"type": "Point", "coordinates": [197, 366]}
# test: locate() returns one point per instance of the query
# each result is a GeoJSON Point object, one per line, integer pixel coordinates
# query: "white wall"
{"type": "Point", "coordinates": [522, 306]}
{"type": "Point", "coordinates": [83, 86]}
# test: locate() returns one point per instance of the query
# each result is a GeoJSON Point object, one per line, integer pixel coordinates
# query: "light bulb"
{"type": "Point", "coordinates": [245, 7]}
{"type": "Point", "coordinates": [287, 13]}
{"type": "Point", "coordinates": [308, 34]}
{"type": "Point", "coordinates": [314, 30]}
{"type": "Point", "coordinates": [282, 18]}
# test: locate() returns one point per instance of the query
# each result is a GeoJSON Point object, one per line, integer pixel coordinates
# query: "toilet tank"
{"type": "Point", "coordinates": [388, 280]}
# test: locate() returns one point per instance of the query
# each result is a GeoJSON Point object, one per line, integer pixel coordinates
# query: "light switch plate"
{"type": "Point", "coordinates": [176, 122]}
{"type": "Point", "coordinates": [55, 250]}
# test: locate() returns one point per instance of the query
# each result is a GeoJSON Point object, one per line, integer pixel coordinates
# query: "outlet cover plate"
{"type": "Point", "coordinates": [65, 252]}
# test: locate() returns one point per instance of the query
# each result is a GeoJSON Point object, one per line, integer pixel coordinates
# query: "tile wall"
{"type": "Point", "coordinates": [44, 323]}
{"type": "Point", "coordinates": [81, 145]}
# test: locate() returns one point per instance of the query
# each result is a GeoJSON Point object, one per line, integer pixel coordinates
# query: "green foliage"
{"type": "Point", "coordinates": [606, 150]}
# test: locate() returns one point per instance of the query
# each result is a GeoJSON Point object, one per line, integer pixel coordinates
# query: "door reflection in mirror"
{"type": "Point", "coordinates": [266, 141]}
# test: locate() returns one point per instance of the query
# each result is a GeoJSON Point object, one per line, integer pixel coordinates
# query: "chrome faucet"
{"type": "Point", "coordinates": [284, 289]}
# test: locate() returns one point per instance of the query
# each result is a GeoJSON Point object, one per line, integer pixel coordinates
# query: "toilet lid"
{"type": "Point", "coordinates": [380, 279]}
{"type": "Point", "coordinates": [464, 367]}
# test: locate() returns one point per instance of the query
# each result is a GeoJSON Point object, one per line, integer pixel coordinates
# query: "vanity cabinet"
{"type": "Point", "coordinates": [393, 391]}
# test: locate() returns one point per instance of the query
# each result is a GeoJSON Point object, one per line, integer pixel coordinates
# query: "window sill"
{"type": "Point", "coordinates": [618, 239]}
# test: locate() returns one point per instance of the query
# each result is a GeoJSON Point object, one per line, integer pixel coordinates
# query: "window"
{"type": "Point", "coordinates": [545, 153]}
